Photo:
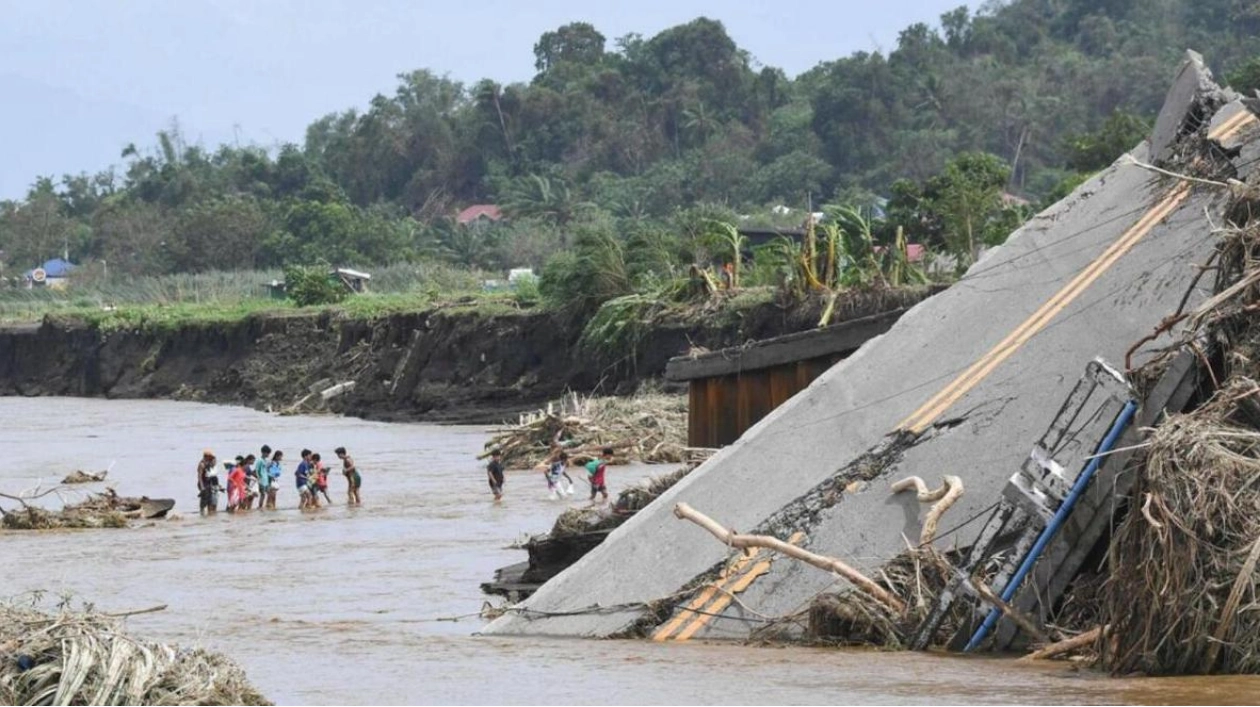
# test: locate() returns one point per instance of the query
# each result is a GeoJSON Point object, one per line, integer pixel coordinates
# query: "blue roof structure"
{"type": "Point", "coordinates": [56, 267]}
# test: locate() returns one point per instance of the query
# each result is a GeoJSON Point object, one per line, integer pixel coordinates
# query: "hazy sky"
{"type": "Point", "coordinates": [79, 79]}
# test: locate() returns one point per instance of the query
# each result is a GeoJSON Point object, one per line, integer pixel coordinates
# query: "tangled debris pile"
{"type": "Point", "coordinates": [84, 477]}
{"type": "Point", "coordinates": [648, 426]}
{"type": "Point", "coordinates": [85, 657]}
{"type": "Point", "coordinates": [98, 510]}
{"type": "Point", "coordinates": [1185, 570]}
{"type": "Point", "coordinates": [1184, 580]}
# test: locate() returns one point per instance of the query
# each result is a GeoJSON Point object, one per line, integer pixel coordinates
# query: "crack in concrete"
{"type": "Point", "coordinates": [803, 514]}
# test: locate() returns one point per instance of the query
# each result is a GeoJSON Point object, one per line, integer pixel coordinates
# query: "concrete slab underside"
{"type": "Point", "coordinates": [854, 406]}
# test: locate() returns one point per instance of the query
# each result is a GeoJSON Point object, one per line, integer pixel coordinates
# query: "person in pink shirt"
{"type": "Point", "coordinates": [236, 485]}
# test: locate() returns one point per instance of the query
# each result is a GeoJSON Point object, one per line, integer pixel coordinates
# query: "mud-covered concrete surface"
{"type": "Point", "coordinates": [448, 364]}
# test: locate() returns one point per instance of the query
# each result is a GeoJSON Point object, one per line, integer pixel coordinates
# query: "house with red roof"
{"type": "Point", "coordinates": [478, 212]}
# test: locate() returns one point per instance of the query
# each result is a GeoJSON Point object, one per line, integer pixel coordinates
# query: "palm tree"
{"type": "Point", "coordinates": [489, 93]}
{"type": "Point", "coordinates": [543, 198]}
{"type": "Point", "coordinates": [699, 122]}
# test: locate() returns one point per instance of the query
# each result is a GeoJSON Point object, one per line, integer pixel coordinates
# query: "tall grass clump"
{"type": "Point", "coordinates": [595, 271]}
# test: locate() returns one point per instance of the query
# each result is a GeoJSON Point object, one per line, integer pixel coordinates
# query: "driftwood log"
{"type": "Point", "coordinates": [950, 491]}
{"type": "Point", "coordinates": [830, 564]}
{"type": "Point", "coordinates": [1070, 644]}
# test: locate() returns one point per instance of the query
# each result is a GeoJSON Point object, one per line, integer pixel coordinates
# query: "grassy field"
{"type": "Point", "coordinates": [174, 300]}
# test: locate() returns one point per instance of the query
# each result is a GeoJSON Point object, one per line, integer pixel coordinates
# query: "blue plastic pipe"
{"type": "Point", "coordinates": [1065, 509]}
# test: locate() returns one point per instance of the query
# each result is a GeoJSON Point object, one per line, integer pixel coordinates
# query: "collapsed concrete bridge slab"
{"type": "Point", "coordinates": [963, 384]}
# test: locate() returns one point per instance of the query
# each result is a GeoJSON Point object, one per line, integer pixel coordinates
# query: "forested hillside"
{"type": "Point", "coordinates": [642, 137]}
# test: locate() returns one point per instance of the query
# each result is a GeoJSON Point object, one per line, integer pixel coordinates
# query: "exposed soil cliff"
{"type": "Point", "coordinates": [451, 364]}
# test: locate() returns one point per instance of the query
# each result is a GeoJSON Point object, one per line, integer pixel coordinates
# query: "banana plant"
{"type": "Point", "coordinates": [732, 241]}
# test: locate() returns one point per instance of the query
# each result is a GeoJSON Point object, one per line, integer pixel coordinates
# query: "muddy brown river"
{"type": "Point", "coordinates": [345, 605]}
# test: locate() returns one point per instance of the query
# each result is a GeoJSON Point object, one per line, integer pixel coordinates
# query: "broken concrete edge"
{"type": "Point", "coordinates": [798, 346]}
{"type": "Point", "coordinates": [799, 515]}
{"type": "Point", "coordinates": [1193, 96]}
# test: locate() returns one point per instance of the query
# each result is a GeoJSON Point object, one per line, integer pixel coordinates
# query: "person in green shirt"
{"type": "Point", "coordinates": [261, 477]}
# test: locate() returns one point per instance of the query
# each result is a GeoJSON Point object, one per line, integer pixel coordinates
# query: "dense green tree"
{"type": "Point", "coordinates": [219, 234]}
{"type": "Point", "coordinates": [646, 127]}
{"type": "Point", "coordinates": [35, 229]}
{"type": "Point", "coordinates": [791, 179]}
{"type": "Point", "coordinates": [1120, 133]}
{"type": "Point", "coordinates": [1246, 78]}
{"type": "Point", "coordinates": [542, 198]}
{"type": "Point", "coordinates": [968, 197]}
{"type": "Point", "coordinates": [576, 43]}
{"type": "Point", "coordinates": [132, 238]}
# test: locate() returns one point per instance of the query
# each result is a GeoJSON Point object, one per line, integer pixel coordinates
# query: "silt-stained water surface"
{"type": "Point", "coordinates": [343, 605]}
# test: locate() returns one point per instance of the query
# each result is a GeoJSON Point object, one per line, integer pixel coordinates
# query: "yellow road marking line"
{"type": "Point", "coordinates": [921, 418]}
{"type": "Point", "coordinates": [1232, 125]}
{"type": "Point", "coordinates": [931, 410]}
{"type": "Point", "coordinates": [704, 596]}
{"type": "Point", "coordinates": [960, 381]}
{"type": "Point", "coordinates": [724, 600]}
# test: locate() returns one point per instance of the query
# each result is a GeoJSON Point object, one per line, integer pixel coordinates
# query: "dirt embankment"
{"type": "Point", "coordinates": [453, 364]}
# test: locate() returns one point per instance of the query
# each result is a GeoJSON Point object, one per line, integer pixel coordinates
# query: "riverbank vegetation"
{"type": "Point", "coordinates": [623, 163]}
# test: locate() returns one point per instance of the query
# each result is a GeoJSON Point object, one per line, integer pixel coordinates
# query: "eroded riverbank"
{"type": "Point", "coordinates": [457, 362]}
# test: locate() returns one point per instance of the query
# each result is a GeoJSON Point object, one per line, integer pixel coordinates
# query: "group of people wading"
{"type": "Point", "coordinates": [256, 480]}
{"type": "Point", "coordinates": [555, 470]}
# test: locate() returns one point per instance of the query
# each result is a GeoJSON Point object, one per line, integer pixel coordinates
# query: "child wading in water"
{"type": "Point", "coordinates": [353, 479]}
{"type": "Point", "coordinates": [261, 477]}
{"type": "Point", "coordinates": [494, 474]}
{"type": "Point", "coordinates": [595, 469]}
{"type": "Point", "coordinates": [301, 478]}
{"type": "Point", "coordinates": [236, 485]}
{"type": "Point", "coordinates": [557, 478]}
{"type": "Point", "coordinates": [320, 479]}
{"type": "Point", "coordinates": [208, 483]}
{"type": "Point", "coordinates": [251, 485]}
{"type": "Point", "coordinates": [274, 470]}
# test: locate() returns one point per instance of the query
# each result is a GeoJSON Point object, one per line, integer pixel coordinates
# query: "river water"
{"type": "Point", "coordinates": [341, 605]}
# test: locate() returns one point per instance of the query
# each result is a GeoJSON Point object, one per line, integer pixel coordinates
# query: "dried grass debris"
{"type": "Point", "coordinates": [84, 656]}
{"type": "Point", "coordinates": [648, 427]}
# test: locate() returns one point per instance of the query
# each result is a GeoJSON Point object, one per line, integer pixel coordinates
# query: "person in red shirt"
{"type": "Point", "coordinates": [596, 468]}
{"type": "Point", "coordinates": [321, 480]}
{"type": "Point", "coordinates": [236, 485]}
